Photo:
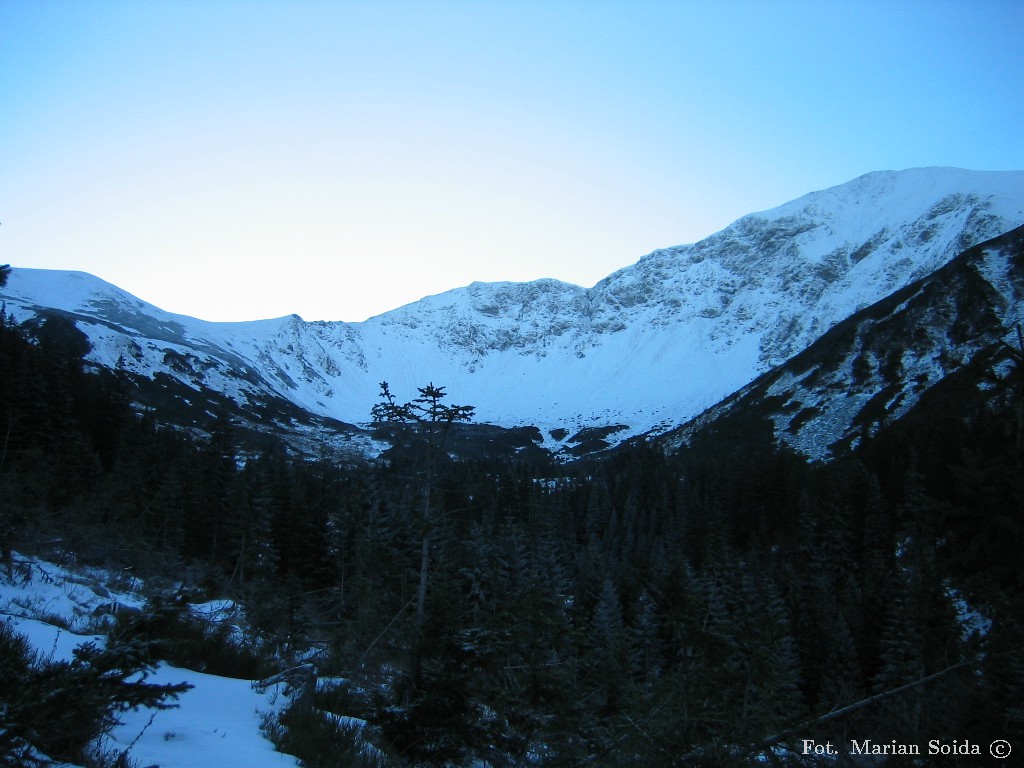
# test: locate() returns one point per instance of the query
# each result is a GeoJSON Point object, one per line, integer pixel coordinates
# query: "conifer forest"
{"type": "Point", "coordinates": [719, 605]}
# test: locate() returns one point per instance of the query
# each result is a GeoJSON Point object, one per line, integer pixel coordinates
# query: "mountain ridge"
{"type": "Point", "coordinates": [950, 335]}
{"type": "Point", "coordinates": [648, 347]}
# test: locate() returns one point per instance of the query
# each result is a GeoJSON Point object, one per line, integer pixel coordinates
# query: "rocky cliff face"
{"type": "Point", "coordinates": [950, 341]}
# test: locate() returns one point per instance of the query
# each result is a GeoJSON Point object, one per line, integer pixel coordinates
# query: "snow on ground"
{"type": "Point", "coordinates": [216, 723]}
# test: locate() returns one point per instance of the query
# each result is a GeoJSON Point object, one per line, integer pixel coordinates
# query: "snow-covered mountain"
{"type": "Point", "coordinates": [647, 348]}
{"type": "Point", "coordinates": [946, 344]}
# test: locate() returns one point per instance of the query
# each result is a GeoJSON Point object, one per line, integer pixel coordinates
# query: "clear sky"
{"type": "Point", "coordinates": [245, 160]}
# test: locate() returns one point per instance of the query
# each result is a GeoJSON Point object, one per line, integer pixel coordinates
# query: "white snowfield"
{"type": "Point", "coordinates": [215, 725]}
{"type": "Point", "coordinates": [649, 347]}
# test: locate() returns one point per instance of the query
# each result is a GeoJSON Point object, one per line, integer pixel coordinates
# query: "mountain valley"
{"type": "Point", "coordinates": [548, 365]}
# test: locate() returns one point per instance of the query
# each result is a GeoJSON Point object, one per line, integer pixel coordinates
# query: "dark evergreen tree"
{"type": "Point", "coordinates": [645, 644]}
{"type": "Point", "coordinates": [60, 707]}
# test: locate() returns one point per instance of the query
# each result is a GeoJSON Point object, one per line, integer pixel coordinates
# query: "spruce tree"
{"type": "Point", "coordinates": [426, 422]}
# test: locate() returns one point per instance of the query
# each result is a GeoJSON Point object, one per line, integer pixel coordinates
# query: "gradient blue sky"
{"type": "Point", "coordinates": [244, 160]}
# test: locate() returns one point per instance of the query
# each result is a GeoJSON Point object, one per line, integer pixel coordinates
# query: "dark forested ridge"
{"type": "Point", "coordinates": [644, 609]}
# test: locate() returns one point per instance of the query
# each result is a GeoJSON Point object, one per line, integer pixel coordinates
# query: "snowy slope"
{"type": "Point", "coordinates": [215, 725]}
{"type": "Point", "coordinates": [648, 347]}
{"type": "Point", "coordinates": [944, 344]}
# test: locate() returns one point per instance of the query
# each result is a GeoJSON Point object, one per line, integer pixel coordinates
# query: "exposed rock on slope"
{"type": "Point", "coordinates": [948, 340]}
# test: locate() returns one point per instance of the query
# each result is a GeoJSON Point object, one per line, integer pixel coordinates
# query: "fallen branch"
{"type": "Point", "coordinates": [807, 725]}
